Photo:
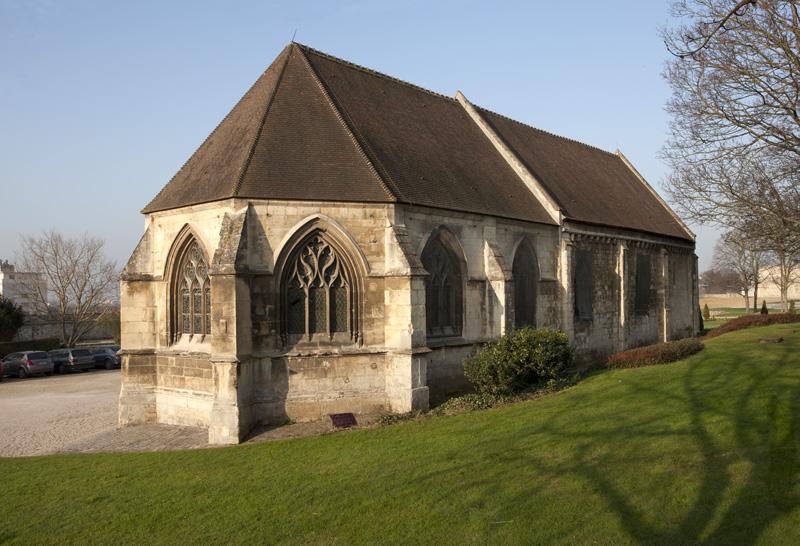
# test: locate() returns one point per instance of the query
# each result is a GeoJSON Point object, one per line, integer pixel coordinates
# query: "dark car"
{"type": "Point", "coordinates": [106, 357]}
{"type": "Point", "coordinates": [70, 360]}
{"type": "Point", "coordinates": [26, 363]}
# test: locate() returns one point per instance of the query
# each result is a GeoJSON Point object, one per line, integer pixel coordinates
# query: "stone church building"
{"type": "Point", "coordinates": [343, 239]}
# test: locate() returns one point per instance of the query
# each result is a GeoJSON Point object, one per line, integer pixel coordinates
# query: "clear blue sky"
{"type": "Point", "coordinates": [102, 102]}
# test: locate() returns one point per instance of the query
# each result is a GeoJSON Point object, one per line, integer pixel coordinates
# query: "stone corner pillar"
{"type": "Point", "coordinates": [663, 297]}
{"type": "Point", "coordinates": [694, 283]}
{"type": "Point", "coordinates": [231, 329]}
{"type": "Point", "coordinates": [622, 271]}
{"type": "Point", "coordinates": [406, 375]}
{"type": "Point", "coordinates": [224, 425]}
{"type": "Point", "coordinates": [567, 289]}
{"type": "Point", "coordinates": [406, 372]}
{"type": "Point", "coordinates": [137, 395]}
{"type": "Point", "coordinates": [500, 288]}
{"type": "Point", "coordinates": [139, 336]}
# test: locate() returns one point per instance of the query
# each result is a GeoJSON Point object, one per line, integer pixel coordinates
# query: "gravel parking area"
{"type": "Point", "coordinates": [41, 415]}
{"type": "Point", "coordinates": [78, 413]}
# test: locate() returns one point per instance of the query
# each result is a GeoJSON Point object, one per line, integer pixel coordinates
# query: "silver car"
{"type": "Point", "coordinates": [71, 360]}
{"type": "Point", "coordinates": [27, 363]}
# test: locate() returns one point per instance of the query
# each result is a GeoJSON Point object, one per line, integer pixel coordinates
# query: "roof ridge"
{"type": "Point", "coordinates": [238, 184]}
{"type": "Point", "coordinates": [384, 178]}
{"type": "Point", "coordinates": [372, 72]}
{"type": "Point", "coordinates": [529, 126]}
{"type": "Point", "coordinates": [214, 130]}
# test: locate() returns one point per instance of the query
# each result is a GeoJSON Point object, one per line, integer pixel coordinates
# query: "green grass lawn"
{"type": "Point", "coordinates": [702, 450]}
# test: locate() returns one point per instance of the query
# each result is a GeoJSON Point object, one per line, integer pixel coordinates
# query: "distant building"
{"type": "Point", "coordinates": [18, 286]}
{"type": "Point", "coordinates": [769, 288]}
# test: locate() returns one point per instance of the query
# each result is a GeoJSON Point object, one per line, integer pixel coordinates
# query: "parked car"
{"type": "Point", "coordinates": [27, 363]}
{"type": "Point", "coordinates": [106, 357]}
{"type": "Point", "coordinates": [1, 371]}
{"type": "Point", "coordinates": [70, 360]}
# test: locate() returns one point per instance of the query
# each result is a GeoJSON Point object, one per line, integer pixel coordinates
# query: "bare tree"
{"type": "Point", "coordinates": [736, 252]}
{"type": "Point", "coordinates": [783, 244]}
{"type": "Point", "coordinates": [81, 281]}
{"type": "Point", "coordinates": [720, 281]}
{"type": "Point", "coordinates": [734, 145]}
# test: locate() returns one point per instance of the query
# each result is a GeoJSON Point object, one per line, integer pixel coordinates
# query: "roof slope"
{"type": "Point", "coordinates": [314, 127]}
{"type": "Point", "coordinates": [589, 184]}
{"type": "Point", "coordinates": [283, 140]}
{"type": "Point", "coordinates": [424, 144]}
{"type": "Point", "coordinates": [317, 128]}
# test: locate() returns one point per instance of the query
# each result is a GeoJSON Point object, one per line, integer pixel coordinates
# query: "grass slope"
{"type": "Point", "coordinates": [705, 449]}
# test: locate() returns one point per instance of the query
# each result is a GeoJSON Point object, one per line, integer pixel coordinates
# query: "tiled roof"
{"type": "Point", "coordinates": [314, 127]}
{"type": "Point", "coordinates": [589, 184]}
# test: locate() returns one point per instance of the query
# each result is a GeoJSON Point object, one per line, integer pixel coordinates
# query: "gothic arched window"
{"type": "Point", "coordinates": [526, 276]}
{"type": "Point", "coordinates": [318, 291]}
{"type": "Point", "coordinates": [444, 305]}
{"type": "Point", "coordinates": [192, 293]}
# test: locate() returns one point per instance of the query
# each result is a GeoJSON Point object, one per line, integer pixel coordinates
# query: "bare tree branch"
{"type": "Point", "coordinates": [716, 26]}
{"type": "Point", "coordinates": [734, 144]}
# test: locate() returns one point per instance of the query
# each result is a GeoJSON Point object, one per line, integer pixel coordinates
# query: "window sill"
{"type": "Point", "coordinates": [195, 343]}
{"type": "Point", "coordinates": [452, 341]}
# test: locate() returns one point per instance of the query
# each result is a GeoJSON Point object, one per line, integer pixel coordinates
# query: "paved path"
{"type": "Point", "coordinates": [78, 413]}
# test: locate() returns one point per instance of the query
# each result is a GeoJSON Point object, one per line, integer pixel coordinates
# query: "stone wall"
{"type": "Point", "coordinates": [599, 335]}
{"type": "Point", "coordinates": [249, 371]}
{"type": "Point", "coordinates": [617, 321]}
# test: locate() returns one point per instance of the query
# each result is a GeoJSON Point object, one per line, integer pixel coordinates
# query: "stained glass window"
{"type": "Point", "coordinates": [338, 309]}
{"type": "Point", "coordinates": [186, 318]}
{"type": "Point", "coordinates": [317, 290]}
{"type": "Point", "coordinates": [197, 310]}
{"type": "Point", "coordinates": [317, 324]}
{"type": "Point", "coordinates": [296, 310]}
{"type": "Point", "coordinates": [525, 271]}
{"type": "Point", "coordinates": [444, 304]}
{"type": "Point", "coordinates": [207, 309]}
{"type": "Point", "coordinates": [193, 295]}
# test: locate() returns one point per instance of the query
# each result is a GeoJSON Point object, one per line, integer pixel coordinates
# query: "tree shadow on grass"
{"type": "Point", "coordinates": [741, 443]}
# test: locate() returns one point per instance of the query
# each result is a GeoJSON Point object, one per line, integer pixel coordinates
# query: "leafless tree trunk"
{"type": "Point", "coordinates": [757, 263]}
{"type": "Point", "coordinates": [80, 281]}
{"type": "Point", "coordinates": [736, 251]}
{"type": "Point", "coordinates": [784, 275]}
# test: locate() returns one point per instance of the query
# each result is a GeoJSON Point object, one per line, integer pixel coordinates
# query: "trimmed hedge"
{"type": "Point", "coordinates": [47, 344]}
{"type": "Point", "coordinates": [753, 321]}
{"type": "Point", "coordinates": [519, 361]}
{"type": "Point", "coordinates": [660, 353]}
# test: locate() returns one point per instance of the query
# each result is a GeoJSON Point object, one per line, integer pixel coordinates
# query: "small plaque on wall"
{"type": "Point", "coordinates": [343, 420]}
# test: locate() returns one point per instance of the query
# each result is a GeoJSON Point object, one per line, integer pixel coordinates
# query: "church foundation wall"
{"type": "Point", "coordinates": [304, 388]}
{"type": "Point", "coordinates": [446, 371]}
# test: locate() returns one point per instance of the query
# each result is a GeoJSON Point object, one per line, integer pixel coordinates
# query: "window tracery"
{"type": "Point", "coordinates": [192, 300]}
{"type": "Point", "coordinates": [444, 306]}
{"type": "Point", "coordinates": [318, 290]}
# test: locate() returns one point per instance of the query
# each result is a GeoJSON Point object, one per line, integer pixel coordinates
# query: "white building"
{"type": "Point", "coordinates": [18, 286]}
